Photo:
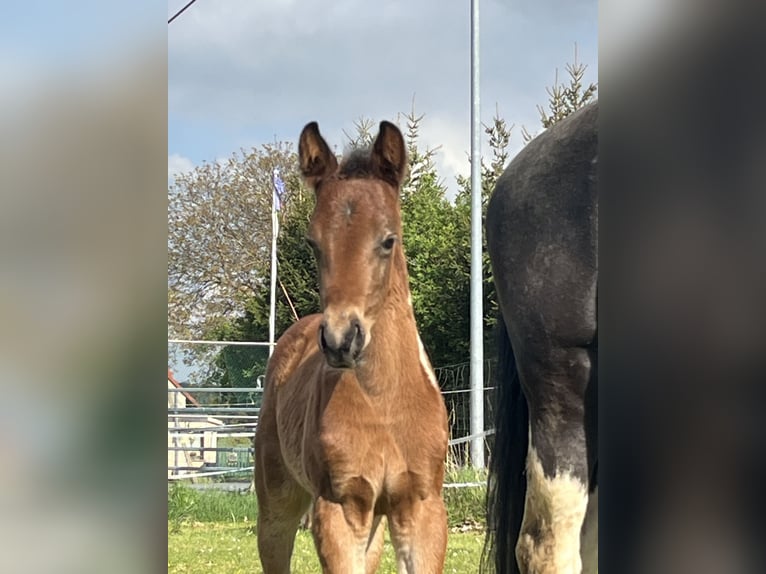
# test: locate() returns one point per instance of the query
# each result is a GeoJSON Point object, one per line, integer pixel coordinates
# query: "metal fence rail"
{"type": "Point", "coordinates": [196, 431]}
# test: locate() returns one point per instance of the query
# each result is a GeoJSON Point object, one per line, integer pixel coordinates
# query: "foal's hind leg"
{"type": "Point", "coordinates": [557, 466]}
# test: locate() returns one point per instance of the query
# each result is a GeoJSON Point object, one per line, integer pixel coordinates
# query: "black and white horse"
{"type": "Point", "coordinates": [542, 237]}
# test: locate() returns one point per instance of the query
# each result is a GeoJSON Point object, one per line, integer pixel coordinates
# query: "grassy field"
{"type": "Point", "coordinates": [231, 548]}
{"type": "Point", "coordinates": [214, 531]}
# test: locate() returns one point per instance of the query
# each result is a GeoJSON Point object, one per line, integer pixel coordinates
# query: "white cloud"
{"type": "Point", "coordinates": [178, 164]}
{"type": "Point", "coordinates": [256, 71]}
{"type": "Point", "coordinates": [453, 140]}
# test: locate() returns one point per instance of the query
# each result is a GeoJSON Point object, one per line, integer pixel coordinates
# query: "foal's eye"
{"type": "Point", "coordinates": [388, 243]}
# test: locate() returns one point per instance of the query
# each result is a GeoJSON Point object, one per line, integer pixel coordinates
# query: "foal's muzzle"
{"type": "Point", "coordinates": [341, 344]}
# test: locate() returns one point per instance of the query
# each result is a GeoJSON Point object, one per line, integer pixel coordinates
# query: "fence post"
{"type": "Point", "coordinates": [477, 315]}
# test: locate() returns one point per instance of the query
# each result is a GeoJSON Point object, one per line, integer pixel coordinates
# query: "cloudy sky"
{"type": "Point", "coordinates": [243, 73]}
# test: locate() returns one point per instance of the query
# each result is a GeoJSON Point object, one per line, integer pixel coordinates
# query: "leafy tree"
{"type": "Point", "coordinates": [219, 236]}
{"type": "Point", "coordinates": [564, 99]}
{"type": "Point", "coordinates": [499, 137]}
{"type": "Point", "coordinates": [219, 255]}
{"type": "Point", "coordinates": [431, 242]}
{"type": "Point", "coordinates": [364, 133]}
{"type": "Point", "coordinates": [296, 296]}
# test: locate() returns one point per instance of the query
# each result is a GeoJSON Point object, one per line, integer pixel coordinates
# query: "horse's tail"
{"type": "Point", "coordinates": [507, 483]}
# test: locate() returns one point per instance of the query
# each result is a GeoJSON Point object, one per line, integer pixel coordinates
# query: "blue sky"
{"type": "Point", "coordinates": [43, 44]}
{"type": "Point", "coordinates": [48, 34]}
{"type": "Point", "coordinates": [242, 73]}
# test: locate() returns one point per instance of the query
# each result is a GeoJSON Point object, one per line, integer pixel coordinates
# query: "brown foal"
{"type": "Point", "coordinates": [352, 418]}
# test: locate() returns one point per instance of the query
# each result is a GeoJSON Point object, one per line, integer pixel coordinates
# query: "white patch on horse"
{"type": "Point", "coordinates": [405, 561]}
{"type": "Point", "coordinates": [549, 542]}
{"type": "Point", "coordinates": [589, 536]}
{"type": "Point", "coordinates": [426, 363]}
{"type": "Point", "coordinates": [359, 561]}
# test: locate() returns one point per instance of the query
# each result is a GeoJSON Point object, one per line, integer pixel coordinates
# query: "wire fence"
{"type": "Point", "coordinates": [211, 424]}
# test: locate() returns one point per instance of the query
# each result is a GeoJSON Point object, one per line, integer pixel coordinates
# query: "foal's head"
{"type": "Point", "coordinates": [356, 233]}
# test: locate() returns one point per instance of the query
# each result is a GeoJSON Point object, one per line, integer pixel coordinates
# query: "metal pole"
{"type": "Point", "coordinates": [477, 338]}
{"type": "Point", "coordinates": [175, 436]}
{"type": "Point", "coordinates": [272, 305]}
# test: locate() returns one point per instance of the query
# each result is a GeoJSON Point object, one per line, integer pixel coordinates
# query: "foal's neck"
{"type": "Point", "coordinates": [393, 352]}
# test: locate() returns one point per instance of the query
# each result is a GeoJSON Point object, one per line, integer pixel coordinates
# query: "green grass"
{"type": "Point", "coordinates": [231, 548]}
{"type": "Point", "coordinates": [188, 505]}
{"type": "Point", "coordinates": [466, 506]}
{"type": "Point", "coordinates": [213, 531]}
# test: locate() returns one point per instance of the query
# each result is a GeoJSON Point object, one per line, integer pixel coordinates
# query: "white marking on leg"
{"type": "Point", "coordinates": [589, 536]}
{"type": "Point", "coordinates": [426, 363]}
{"type": "Point", "coordinates": [549, 542]}
{"type": "Point", "coordinates": [405, 564]}
{"type": "Point", "coordinates": [360, 557]}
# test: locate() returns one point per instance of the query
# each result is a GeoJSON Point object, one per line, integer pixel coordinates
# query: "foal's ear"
{"type": "Point", "coordinates": [315, 157]}
{"type": "Point", "coordinates": [389, 154]}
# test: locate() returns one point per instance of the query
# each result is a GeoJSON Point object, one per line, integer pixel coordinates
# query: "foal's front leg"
{"type": "Point", "coordinates": [342, 533]}
{"type": "Point", "coordinates": [419, 534]}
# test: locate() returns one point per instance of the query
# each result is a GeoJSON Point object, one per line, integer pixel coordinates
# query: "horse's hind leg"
{"type": "Point", "coordinates": [557, 465]}
{"type": "Point", "coordinates": [589, 536]}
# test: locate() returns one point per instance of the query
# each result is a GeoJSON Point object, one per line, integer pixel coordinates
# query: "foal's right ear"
{"type": "Point", "coordinates": [315, 157]}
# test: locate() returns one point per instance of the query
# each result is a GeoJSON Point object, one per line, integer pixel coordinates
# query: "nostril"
{"type": "Point", "coordinates": [357, 341]}
{"type": "Point", "coordinates": [359, 330]}
{"type": "Point", "coordinates": [322, 340]}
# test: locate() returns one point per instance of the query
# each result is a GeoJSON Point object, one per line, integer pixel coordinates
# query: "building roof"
{"type": "Point", "coordinates": [189, 399]}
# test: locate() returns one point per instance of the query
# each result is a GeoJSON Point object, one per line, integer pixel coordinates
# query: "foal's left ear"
{"type": "Point", "coordinates": [315, 157]}
{"type": "Point", "coordinates": [389, 154]}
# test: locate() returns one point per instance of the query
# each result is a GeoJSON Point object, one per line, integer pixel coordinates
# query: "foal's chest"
{"type": "Point", "coordinates": [386, 448]}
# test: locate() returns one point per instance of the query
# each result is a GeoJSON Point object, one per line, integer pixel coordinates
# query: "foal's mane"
{"type": "Point", "coordinates": [356, 163]}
